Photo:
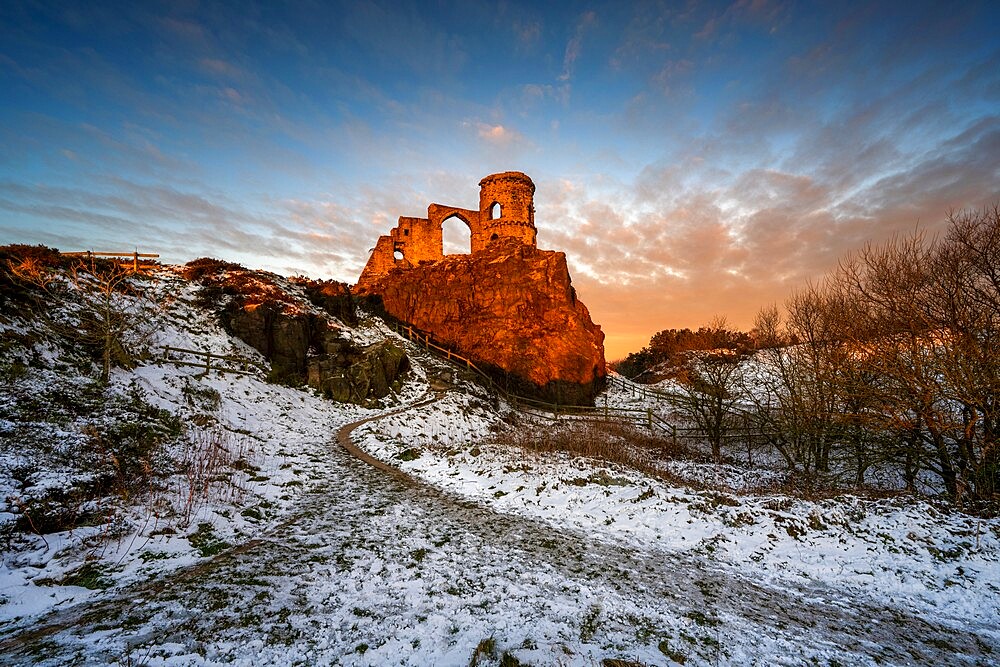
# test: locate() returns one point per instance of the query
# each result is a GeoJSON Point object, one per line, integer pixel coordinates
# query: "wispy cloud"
{"type": "Point", "coordinates": [497, 134]}
{"type": "Point", "coordinates": [126, 214]}
{"type": "Point", "coordinates": [528, 33]}
{"type": "Point", "coordinates": [223, 68]}
{"type": "Point", "coordinates": [713, 157]}
{"type": "Point", "coordinates": [574, 46]}
{"type": "Point", "coordinates": [666, 79]}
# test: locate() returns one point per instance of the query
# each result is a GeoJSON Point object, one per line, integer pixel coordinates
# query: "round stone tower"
{"type": "Point", "coordinates": [506, 207]}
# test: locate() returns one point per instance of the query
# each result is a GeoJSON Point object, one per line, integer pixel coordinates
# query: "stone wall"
{"type": "Point", "coordinates": [417, 240]}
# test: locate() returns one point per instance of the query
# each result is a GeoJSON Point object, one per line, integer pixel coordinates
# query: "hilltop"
{"type": "Point", "coordinates": [184, 515]}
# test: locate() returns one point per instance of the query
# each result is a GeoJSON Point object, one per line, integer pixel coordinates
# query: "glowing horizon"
{"type": "Point", "coordinates": [691, 161]}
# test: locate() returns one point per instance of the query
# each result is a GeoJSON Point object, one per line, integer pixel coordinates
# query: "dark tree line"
{"type": "Point", "coordinates": [669, 351]}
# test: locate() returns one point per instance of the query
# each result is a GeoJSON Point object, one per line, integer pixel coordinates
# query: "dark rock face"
{"type": "Point", "coordinates": [511, 307]}
{"type": "Point", "coordinates": [302, 344]}
{"type": "Point", "coordinates": [284, 339]}
{"type": "Point", "coordinates": [333, 297]}
{"type": "Point", "coordinates": [349, 374]}
{"type": "Point", "coordinates": [304, 348]}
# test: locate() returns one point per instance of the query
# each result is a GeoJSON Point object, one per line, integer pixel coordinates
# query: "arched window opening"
{"type": "Point", "coordinates": [456, 236]}
{"type": "Point", "coordinates": [494, 237]}
{"type": "Point", "coordinates": [495, 211]}
{"type": "Point", "coordinates": [398, 255]}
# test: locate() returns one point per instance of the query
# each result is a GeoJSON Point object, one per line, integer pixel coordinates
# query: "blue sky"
{"type": "Point", "coordinates": [692, 159]}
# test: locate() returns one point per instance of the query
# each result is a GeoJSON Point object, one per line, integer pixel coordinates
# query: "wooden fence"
{"type": "Point", "coordinates": [205, 360]}
{"type": "Point", "coordinates": [640, 417]}
{"type": "Point", "coordinates": [138, 262]}
{"type": "Point", "coordinates": [743, 433]}
{"type": "Point", "coordinates": [646, 392]}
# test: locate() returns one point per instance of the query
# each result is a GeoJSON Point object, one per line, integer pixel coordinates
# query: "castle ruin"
{"type": "Point", "coordinates": [506, 210]}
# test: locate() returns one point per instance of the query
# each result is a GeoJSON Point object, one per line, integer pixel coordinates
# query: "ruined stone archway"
{"type": "Point", "coordinates": [505, 210]}
{"type": "Point", "coordinates": [456, 235]}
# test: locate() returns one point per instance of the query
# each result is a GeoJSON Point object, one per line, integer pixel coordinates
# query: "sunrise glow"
{"type": "Point", "coordinates": [691, 159]}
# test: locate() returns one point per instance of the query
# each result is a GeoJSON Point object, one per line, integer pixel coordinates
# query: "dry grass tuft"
{"type": "Point", "coordinates": [611, 442]}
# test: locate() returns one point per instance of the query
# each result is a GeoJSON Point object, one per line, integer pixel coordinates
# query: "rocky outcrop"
{"type": "Point", "coordinates": [290, 323]}
{"type": "Point", "coordinates": [350, 374]}
{"type": "Point", "coordinates": [331, 296]}
{"type": "Point", "coordinates": [283, 338]}
{"type": "Point", "coordinates": [304, 349]}
{"type": "Point", "coordinates": [511, 307]}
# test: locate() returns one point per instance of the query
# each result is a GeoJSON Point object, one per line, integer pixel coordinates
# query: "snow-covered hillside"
{"type": "Point", "coordinates": [257, 539]}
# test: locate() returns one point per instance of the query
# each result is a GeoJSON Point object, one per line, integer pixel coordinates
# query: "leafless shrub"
{"type": "Point", "coordinates": [894, 360]}
{"type": "Point", "coordinates": [612, 442]}
{"type": "Point", "coordinates": [99, 298]}
{"type": "Point", "coordinates": [215, 466]}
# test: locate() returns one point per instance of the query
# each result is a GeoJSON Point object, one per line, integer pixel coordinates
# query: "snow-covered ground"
{"type": "Point", "coordinates": [259, 447]}
{"type": "Point", "coordinates": [300, 554]}
{"type": "Point", "coordinates": [935, 561]}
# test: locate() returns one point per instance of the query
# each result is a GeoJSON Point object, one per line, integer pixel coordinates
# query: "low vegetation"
{"type": "Point", "coordinates": [611, 442]}
{"type": "Point", "coordinates": [886, 370]}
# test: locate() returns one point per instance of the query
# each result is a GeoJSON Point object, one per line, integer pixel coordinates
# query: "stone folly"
{"type": "Point", "coordinates": [506, 210]}
{"type": "Point", "coordinates": [507, 305]}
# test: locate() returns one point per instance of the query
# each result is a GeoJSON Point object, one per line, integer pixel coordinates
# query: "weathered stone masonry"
{"type": "Point", "coordinates": [506, 210]}
{"type": "Point", "coordinates": [507, 305]}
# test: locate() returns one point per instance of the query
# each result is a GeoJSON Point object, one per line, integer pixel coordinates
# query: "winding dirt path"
{"type": "Point", "coordinates": [344, 439]}
{"type": "Point", "coordinates": [372, 567]}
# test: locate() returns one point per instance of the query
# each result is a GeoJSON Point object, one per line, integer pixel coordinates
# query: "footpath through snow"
{"type": "Point", "coordinates": [370, 570]}
{"type": "Point", "coordinates": [319, 558]}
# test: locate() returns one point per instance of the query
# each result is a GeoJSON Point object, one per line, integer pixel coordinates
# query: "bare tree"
{"type": "Point", "coordinates": [712, 394]}
{"type": "Point", "coordinates": [893, 360]}
{"type": "Point", "coordinates": [99, 299]}
{"type": "Point", "coordinates": [931, 336]}
{"type": "Point", "coordinates": [966, 280]}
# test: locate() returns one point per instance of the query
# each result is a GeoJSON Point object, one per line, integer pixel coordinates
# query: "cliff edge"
{"type": "Point", "coordinates": [510, 307]}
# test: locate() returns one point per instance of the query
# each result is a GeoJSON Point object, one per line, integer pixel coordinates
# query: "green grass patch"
{"type": "Point", "coordinates": [206, 542]}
